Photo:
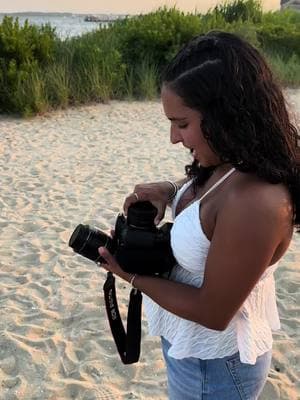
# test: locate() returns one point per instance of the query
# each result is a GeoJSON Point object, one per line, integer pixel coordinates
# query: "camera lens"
{"type": "Point", "coordinates": [86, 240]}
{"type": "Point", "coordinates": [141, 215]}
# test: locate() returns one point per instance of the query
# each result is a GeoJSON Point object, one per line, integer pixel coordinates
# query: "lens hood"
{"type": "Point", "coordinates": [141, 215]}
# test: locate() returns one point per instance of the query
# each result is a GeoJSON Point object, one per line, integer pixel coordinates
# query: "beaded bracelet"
{"type": "Point", "coordinates": [175, 190]}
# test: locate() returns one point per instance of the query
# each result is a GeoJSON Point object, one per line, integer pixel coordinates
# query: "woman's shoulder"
{"type": "Point", "coordinates": [250, 187]}
{"type": "Point", "coordinates": [259, 198]}
{"type": "Point", "coordinates": [259, 212]}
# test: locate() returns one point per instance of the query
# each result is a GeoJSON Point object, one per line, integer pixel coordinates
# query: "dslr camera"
{"type": "Point", "coordinates": [138, 245]}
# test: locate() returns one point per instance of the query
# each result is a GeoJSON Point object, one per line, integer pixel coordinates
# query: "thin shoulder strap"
{"type": "Point", "coordinates": [217, 183]}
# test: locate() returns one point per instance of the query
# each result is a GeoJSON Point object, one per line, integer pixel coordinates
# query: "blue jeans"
{"type": "Point", "coordinates": [217, 379]}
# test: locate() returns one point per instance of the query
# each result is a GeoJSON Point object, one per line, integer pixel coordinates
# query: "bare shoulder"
{"type": "Point", "coordinates": [258, 199]}
{"type": "Point", "coordinates": [258, 212]}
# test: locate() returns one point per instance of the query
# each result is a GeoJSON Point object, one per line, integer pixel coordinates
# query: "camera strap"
{"type": "Point", "coordinates": [128, 344]}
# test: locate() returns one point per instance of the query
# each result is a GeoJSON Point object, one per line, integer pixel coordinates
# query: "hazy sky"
{"type": "Point", "coordinates": [111, 6]}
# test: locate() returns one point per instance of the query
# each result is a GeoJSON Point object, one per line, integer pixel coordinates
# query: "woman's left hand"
{"type": "Point", "coordinates": [112, 265]}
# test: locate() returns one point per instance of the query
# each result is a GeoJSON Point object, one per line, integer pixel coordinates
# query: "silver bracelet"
{"type": "Point", "coordinates": [175, 190]}
{"type": "Point", "coordinates": [131, 280]}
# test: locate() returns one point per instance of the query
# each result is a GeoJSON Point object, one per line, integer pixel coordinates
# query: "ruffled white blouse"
{"type": "Point", "coordinates": [249, 332]}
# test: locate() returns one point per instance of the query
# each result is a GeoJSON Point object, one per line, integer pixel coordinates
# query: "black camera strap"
{"type": "Point", "coordinates": [129, 344]}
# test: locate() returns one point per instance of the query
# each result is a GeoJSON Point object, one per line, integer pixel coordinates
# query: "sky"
{"type": "Point", "coordinates": [113, 6]}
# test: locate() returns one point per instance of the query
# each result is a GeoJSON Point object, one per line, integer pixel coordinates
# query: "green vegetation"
{"type": "Point", "coordinates": [39, 71]}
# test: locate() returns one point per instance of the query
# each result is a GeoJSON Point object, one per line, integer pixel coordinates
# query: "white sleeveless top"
{"type": "Point", "coordinates": [250, 330]}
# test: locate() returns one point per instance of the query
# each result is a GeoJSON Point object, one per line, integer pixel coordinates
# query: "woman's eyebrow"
{"type": "Point", "coordinates": [177, 119]}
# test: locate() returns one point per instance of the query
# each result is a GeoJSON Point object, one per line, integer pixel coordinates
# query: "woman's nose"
{"type": "Point", "coordinates": [175, 136]}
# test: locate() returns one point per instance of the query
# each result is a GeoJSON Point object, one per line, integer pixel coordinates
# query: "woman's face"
{"type": "Point", "coordinates": [186, 128]}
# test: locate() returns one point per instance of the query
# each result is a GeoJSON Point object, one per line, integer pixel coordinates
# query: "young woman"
{"type": "Point", "coordinates": [234, 216]}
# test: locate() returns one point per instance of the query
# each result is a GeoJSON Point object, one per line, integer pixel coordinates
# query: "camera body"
{"type": "Point", "coordinates": [138, 245]}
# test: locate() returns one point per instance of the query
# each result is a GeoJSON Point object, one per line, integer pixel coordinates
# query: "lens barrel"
{"type": "Point", "coordinates": [86, 240]}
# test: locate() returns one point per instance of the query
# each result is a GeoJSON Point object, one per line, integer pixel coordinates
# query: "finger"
{"type": "Point", "coordinates": [128, 201]}
{"type": "Point", "coordinates": [112, 233]}
{"type": "Point", "coordinates": [107, 256]}
{"type": "Point", "coordinates": [157, 219]}
{"type": "Point", "coordinates": [126, 204]}
{"type": "Point", "coordinates": [131, 199]}
{"type": "Point", "coordinates": [110, 263]}
{"type": "Point", "coordinates": [160, 214]}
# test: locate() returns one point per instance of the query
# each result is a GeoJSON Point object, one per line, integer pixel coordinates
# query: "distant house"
{"type": "Point", "coordinates": [104, 18]}
{"type": "Point", "coordinates": [92, 18]}
{"type": "Point", "coordinates": [294, 4]}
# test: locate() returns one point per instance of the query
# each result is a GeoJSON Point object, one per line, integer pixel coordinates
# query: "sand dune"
{"type": "Point", "coordinates": [77, 166]}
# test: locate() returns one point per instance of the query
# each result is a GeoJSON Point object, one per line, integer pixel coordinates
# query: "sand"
{"type": "Point", "coordinates": [76, 166]}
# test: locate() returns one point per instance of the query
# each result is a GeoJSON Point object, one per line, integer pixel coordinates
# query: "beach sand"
{"type": "Point", "coordinates": [77, 166]}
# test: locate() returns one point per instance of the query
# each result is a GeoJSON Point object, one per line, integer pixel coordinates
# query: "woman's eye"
{"type": "Point", "coordinates": [183, 126]}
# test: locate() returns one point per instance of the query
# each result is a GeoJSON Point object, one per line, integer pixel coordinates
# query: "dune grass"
{"type": "Point", "coordinates": [40, 72]}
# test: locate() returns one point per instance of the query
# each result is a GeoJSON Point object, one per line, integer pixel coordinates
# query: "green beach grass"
{"type": "Point", "coordinates": [40, 72]}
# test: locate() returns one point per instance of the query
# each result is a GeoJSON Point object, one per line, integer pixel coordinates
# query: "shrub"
{"type": "Point", "coordinates": [39, 71]}
{"type": "Point", "coordinates": [240, 10]}
{"type": "Point", "coordinates": [23, 49]}
{"type": "Point", "coordinates": [287, 71]}
{"type": "Point", "coordinates": [279, 39]}
{"type": "Point", "coordinates": [156, 36]}
{"type": "Point", "coordinates": [94, 66]}
{"type": "Point", "coordinates": [147, 80]}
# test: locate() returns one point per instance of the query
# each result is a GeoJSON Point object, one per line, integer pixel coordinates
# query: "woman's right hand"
{"type": "Point", "coordinates": [158, 193]}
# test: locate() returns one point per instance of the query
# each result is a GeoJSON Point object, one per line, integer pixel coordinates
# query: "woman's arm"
{"type": "Point", "coordinates": [248, 230]}
{"type": "Point", "coordinates": [178, 184]}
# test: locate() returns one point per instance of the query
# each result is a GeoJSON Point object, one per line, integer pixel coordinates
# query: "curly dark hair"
{"type": "Point", "coordinates": [245, 119]}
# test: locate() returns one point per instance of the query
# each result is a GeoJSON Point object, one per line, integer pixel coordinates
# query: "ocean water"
{"type": "Point", "coordinates": [66, 25]}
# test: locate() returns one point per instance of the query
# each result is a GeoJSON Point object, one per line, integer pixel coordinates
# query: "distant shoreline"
{"type": "Point", "coordinates": [61, 14]}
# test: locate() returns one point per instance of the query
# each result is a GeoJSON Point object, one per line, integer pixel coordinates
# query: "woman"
{"type": "Point", "coordinates": [234, 216]}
